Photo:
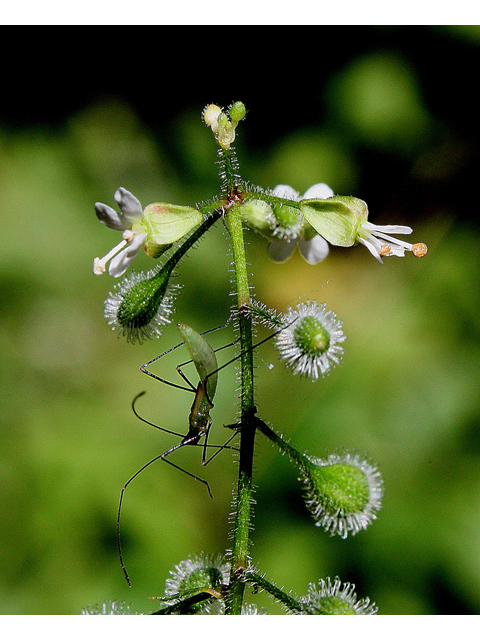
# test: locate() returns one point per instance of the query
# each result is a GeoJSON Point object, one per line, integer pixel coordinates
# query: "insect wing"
{"type": "Point", "coordinates": [203, 357]}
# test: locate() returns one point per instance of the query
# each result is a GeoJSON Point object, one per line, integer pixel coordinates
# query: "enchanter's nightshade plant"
{"type": "Point", "coordinates": [342, 491]}
{"type": "Point", "coordinates": [156, 229]}
{"type": "Point", "coordinates": [343, 222]}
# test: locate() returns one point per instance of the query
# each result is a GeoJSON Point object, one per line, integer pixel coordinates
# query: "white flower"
{"type": "Point", "coordinates": [310, 342]}
{"type": "Point", "coordinates": [155, 228]}
{"type": "Point", "coordinates": [315, 249]}
{"type": "Point", "coordinates": [375, 238]}
{"type": "Point", "coordinates": [134, 234]}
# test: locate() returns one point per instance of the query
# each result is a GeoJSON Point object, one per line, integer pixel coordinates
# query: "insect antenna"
{"type": "Point", "coordinates": [151, 424]}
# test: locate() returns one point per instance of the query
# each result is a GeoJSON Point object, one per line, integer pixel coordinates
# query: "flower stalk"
{"type": "Point", "coordinates": [243, 501]}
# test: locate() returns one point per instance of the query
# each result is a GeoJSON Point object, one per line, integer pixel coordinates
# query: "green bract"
{"type": "Point", "coordinates": [165, 224]}
{"type": "Point", "coordinates": [336, 219]}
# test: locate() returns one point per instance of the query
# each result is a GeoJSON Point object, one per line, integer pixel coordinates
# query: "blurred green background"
{"type": "Point", "coordinates": [382, 113]}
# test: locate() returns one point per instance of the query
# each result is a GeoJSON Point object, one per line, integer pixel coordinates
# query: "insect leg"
{"type": "Point", "coordinates": [163, 456]}
{"type": "Point", "coordinates": [257, 344]}
{"type": "Point", "coordinates": [191, 387]}
{"type": "Point", "coordinates": [186, 441]}
{"type": "Point", "coordinates": [220, 448]}
{"type": "Point", "coordinates": [120, 504]}
{"type": "Point", "coordinates": [144, 369]}
{"type": "Point", "coordinates": [174, 433]}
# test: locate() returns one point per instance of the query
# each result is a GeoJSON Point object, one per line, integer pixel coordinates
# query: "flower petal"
{"type": "Point", "coordinates": [319, 190]}
{"type": "Point", "coordinates": [314, 250]}
{"type": "Point", "coordinates": [129, 205]}
{"type": "Point", "coordinates": [371, 247]}
{"type": "Point", "coordinates": [281, 250]}
{"type": "Point", "coordinates": [285, 191]}
{"type": "Point", "coordinates": [122, 261]}
{"type": "Point", "coordinates": [386, 228]}
{"type": "Point", "coordinates": [110, 218]}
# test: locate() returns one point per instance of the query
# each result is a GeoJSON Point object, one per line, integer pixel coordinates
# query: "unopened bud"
{"type": "Point", "coordinates": [237, 111]}
{"type": "Point", "coordinates": [210, 116]}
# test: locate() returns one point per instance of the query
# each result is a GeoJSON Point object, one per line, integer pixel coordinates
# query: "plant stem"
{"type": "Point", "coordinates": [283, 445]}
{"type": "Point", "coordinates": [285, 598]}
{"type": "Point", "coordinates": [243, 502]}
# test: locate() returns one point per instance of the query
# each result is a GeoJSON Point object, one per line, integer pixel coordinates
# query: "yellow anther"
{"type": "Point", "coordinates": [419, 249]}
{"type": "Point", "coordinates": [386, 250]}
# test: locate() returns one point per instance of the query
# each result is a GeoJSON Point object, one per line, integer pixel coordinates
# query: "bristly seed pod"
{"type": "Point", "coordinates": [200, 572]}
{"type": "Point", "coordinates": [343, 492]}
{"type": "Point", "coordinates": [141, 304]}
{"type": "Point", "coordinates": [310, 342]}
{"type": "Point", "coordinates": [336, 599]}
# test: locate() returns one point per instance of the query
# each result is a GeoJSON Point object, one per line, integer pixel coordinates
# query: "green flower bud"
{"type": "Point", "coordinates": [237, 111]}
{"type": "Point", "coordinates": [274, 219]}
{"type": "Point", "coordinates": [288, 220]}
{"type": "Point", "coordinates": [336, 219]}
{"type": "Point", "coordinates": [167, 223]}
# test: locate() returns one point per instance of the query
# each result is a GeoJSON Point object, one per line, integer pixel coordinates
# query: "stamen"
{"type": "Point", "coordinates": [100, 264]}
{"type": "Point", "coordinates": [419, 249]}
{"type": "Point", "coordinates": [128, 235]}
{"type": "Point", "coordinates": [386, 250]}
{"type": "Point", "coordinates": [394, 241]}
{"type": "Point", "coordinates": [98, 267]}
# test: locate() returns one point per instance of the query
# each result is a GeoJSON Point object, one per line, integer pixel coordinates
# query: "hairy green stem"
{"type": "Point", "coordinates": [282, 444]}
{"type": "Point", "coordinates": [215, 212]}
{"type": "Point", "coordinates": [243, 501]}
{"type": "Point", "coordinates": [286, 599]}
